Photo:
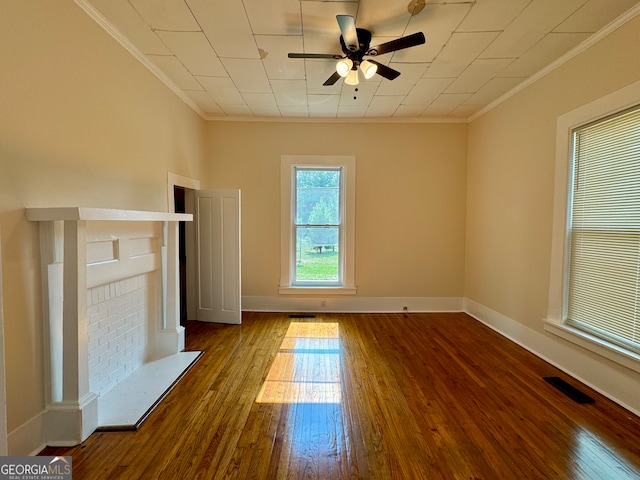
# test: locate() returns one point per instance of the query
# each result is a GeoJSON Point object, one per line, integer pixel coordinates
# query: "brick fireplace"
{"type": "Point", "coordinates": [111, 288]}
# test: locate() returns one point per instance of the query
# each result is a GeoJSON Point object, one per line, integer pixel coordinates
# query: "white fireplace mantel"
{"type": "Point", "coordinates": [105, 214]}
{"type": "Point", "coordinates": [83, 248]}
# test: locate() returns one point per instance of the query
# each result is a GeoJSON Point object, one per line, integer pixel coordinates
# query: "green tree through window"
{"type": "Point", "coordinates": [317, 224]}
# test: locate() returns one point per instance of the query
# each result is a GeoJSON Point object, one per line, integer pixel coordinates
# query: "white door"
{"type": "Point", "coordinates": [218, 244]}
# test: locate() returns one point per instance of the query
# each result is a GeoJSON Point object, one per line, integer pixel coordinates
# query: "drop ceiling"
{"type": "Point", "coordinates": [227, 59]}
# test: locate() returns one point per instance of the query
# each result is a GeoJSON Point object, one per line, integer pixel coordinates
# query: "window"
{"type": "Point", "coordinates": [317, 204]}
{"type": "Point", "coordinates": [594, 271]}
{"type": "Point", "coordinates": [604, 232]}
{"type": "Point", "coordinates": [318, 198]}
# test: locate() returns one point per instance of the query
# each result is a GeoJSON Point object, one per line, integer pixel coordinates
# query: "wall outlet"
{"type": "Point", "coordinates": [405, 308]}
{"type": "Point", "coordinates": [323, 303]}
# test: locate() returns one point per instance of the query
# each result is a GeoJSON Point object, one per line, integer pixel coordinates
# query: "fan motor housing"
{"type": "Point", "coordinates": [364, 41]}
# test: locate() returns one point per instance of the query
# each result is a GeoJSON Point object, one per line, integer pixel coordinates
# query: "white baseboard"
{"type": "Point", "coordinates": [350, 304]}
{"type": "Point", "coordinates": [29, 438]}
{"type": "Point", "coordinates": [619, 384]}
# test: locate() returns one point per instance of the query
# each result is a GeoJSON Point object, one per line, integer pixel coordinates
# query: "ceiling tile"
{"type": "Point", "coordinates": [493, 89]}
{"type": "Point", "coordinates": [222, 89]}
{"type": "Point", "coordinates": [384, 106]}
{"type": "Point", "coordinates": [226, 26]}
{"type": "Point", "coordinates": [128, 21]}
{"type": "Point", "coordinates": [492, 15]}
{"type": "Point", "coordinates": [426, 91]}
{"type": "Point", "coordinates": [166, 15]}
{"type": "Point", "coordinates": [322, 15]}
{"type": "Point", "coordinates": [276, 62]}
{"type": "Point", "coordinates": [294, 110]}
{"type": "Point", "coordinates": [553, 45]}
{"type": "Point", "coordinates": [352, 111]}
{"type": "Point", "coordinates": [594, 14]}
{"type": "Point", "coordinates": [384, 17]}
{"type": "Point", "coordinates": [262, 104]}
{"type": "Point", "coordinates": [535, 21]}
{"type": "Point", "coordinates": [320, 27]}
{"type": "Point", "coordinates": [205, 103]}
{"type": "Point", "coordinates": [237, 110]}
{"type": "Point", "coordinates": [409, 111]}
{"type": "Point", "coordinates": [464, 111]}
{"type": "Point", "coordinates": [323, 105]}
{"type": "Point", "coordinates": [445, 104]}
{"type": "Point", "coordinates": [318, 71]}
{"type": "Point", "coordinates": [259, 99]}
{"type": "Point", "coordinates": [360, 98]}
{"type": "Point", "coordinates": [290, 92]}
{"type": "Point", "coordinates": [248, 75]}
{"type": "Point", "coordinates": [195, 52]}
{"type": "Point", "coordinates": [458, 53]}
{"type": "Point", "coordinates": [410, 73]}
{"type": "Point", "coordinates": [280, 17]}
{"type": "Point", "coordinates": [437, 22]}
{"type": "Point", "coordinates": [172, 67]}
{"type": "Point", "coordinates": [322, 42]}
{"type": "Point", "coordinates": [478, 74]}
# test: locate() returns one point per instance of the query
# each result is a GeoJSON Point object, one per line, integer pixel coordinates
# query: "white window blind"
{"type": "Point", "coordinates": [604, 235]}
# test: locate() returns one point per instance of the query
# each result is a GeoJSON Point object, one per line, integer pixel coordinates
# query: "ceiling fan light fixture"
{"type": "Point", "coordinates": [352, 77]}
{"type": "Point", "coordinates": [343, 67]}
{"type": "Point", "coordinates": [356, 43]}
{"type": "Point", "coordinates": [368, 68]}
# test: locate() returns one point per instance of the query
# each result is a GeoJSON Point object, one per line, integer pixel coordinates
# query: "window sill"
{"type": "Point", "coordinates": [320, 290]}
{"type": "Point", "coordinates": [608, 350]}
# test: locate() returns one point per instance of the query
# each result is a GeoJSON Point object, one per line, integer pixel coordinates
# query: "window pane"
{"type": "Point", "coordinates": [317, 255]}
{"type": "Point", "coordinates": [603, 287]}
{"type": "Point", "coordinates": [317, 197]}
{"type": "Point", "coordinates": [604, 269]}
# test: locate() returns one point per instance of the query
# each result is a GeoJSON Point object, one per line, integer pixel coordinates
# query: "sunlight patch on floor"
{"type": "Point", "coordinates": [307, 366]}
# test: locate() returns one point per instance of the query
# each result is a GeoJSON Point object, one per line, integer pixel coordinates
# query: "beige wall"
{"type": "Point", "coordinates": [510, 196]}
{"type": "Point", "coordinates": [410, 200]}
{"type": "Point", "coordinates": [82, 123]}
{"type": "Point", "coordinates": [511, 169]}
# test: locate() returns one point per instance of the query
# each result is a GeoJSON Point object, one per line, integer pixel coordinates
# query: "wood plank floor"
{"type": "Point", "coordinates": [384, 396]}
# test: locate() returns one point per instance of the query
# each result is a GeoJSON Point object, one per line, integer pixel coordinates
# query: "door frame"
{"type": "Point", "coordinates": [191, 185]}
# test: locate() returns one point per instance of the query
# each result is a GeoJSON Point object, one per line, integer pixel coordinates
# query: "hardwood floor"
{"type": "Point", "coordinates": [385, 396]}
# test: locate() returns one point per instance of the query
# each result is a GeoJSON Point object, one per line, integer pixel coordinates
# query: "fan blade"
{"type": "Point", "coordinates": [349, 34]}
{"type": "Point", "coordinates": [398, 44]}
{"type": "Point", "coordinates": [334, 56]}
{"type": "Point", "coordinates": [332, 79]}
{"type": "Point", "coordinates": [386, 72]}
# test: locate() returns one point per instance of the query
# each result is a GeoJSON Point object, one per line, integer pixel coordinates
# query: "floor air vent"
{"type": "Point", "coordinates": [569, 390]}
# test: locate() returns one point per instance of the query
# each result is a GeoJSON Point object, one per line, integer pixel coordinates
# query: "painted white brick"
{"type": "Point", "coordinates": [117, 329]}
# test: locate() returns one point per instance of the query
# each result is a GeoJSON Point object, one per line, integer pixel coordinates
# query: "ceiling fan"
{"type": "Point", "coordinates": [355, 43]}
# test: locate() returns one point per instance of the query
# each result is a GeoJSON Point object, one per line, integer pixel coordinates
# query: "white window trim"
{"type": "Point", "coordinates": [348, 163]}
{"type": "Point", "coordinates": [556, 313]}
